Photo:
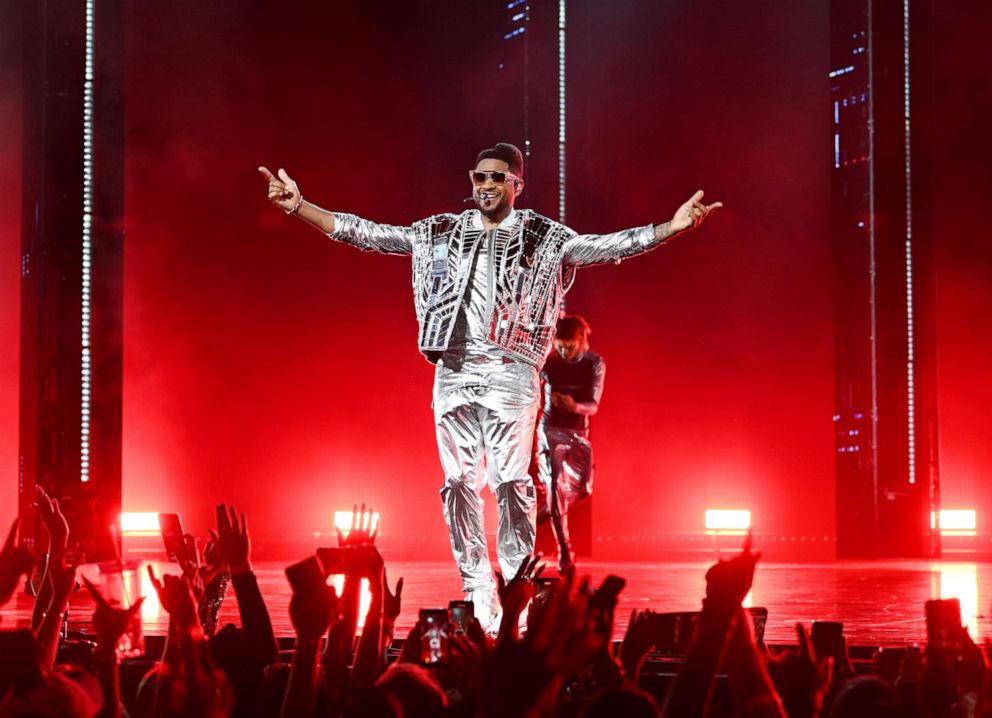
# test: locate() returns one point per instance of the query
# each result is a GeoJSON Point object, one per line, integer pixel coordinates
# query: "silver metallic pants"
{"type": "Point", "coordinates": [565, 469]}
{"type": "Point", "coordinates": [484, 415]}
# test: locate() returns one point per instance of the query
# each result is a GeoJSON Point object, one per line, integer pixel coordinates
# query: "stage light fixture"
{"type": "Point", "coordinates": [139, 523]}
{"type": "Point", "coordinates": [955, 522]}
{"type": "Point", "coordinates": [727, 521]}
{"type": "Point", "coordinates": [365, 595]}
{"type": "Point", "coordinates": [960, 581]}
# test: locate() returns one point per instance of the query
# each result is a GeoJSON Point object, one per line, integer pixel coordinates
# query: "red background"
{"type": "Point", "coordinates": [268, 366]}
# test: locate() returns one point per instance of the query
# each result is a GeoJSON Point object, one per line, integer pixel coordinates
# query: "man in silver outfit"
{"type": "Point", "coordinates": [487, 284]}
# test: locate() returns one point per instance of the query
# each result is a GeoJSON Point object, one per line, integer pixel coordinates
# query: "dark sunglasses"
{"type": "Point", "coordinates": [498, 177]}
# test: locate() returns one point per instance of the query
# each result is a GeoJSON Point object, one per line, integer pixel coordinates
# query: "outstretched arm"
{"type": "Point", "coordinates": [589, 249]}
{"type": "Point", "coordinates": [368, 236]}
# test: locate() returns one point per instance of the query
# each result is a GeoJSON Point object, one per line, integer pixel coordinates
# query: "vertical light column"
{"type": "Point", "coordinates": [87, 246]}
{"type": "Point", "coordinates": [872, 247]}
{"type": "Point", "coordinates": [561, 110]}
{"type": "Point", "coordinates": [910, 347]}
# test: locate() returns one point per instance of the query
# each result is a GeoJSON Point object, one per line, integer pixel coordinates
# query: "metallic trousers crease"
{"type": "Point", "coordinates": [484, 418]}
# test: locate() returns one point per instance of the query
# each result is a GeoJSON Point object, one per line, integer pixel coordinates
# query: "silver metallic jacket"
{"type": "Point", "coordinates": [532, 265]}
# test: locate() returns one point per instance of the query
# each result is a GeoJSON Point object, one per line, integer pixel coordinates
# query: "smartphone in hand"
{"type": "Point", "coordinates": [173, 536]}
{"type": "Point", "coordinates": [460, 613]}
{"type": "Point", "coordinates": [306, 576]}
{"type": "Point", "coordinates": [434, 629]}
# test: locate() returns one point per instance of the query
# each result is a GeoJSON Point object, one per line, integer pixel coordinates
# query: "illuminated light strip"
{"type": "Point", "coordinates": [841, 71]}
{"type": "Point", "coordinates": [727, 520]}
{"type": "Point", "coordinates": [87, 253]}
{"type": "Point", "coordinates": [139, 523]}
{"type": "Point", "coordinates": [910, 344]}
{"type": "Point", "coordinates": [561, 111]}
{"type": "Point", "coordinates": [955, 520]}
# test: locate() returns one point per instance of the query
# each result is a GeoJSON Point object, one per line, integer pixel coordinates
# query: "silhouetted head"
{"type": "Point", "coordinates": [572, 337]}
{"type": "Point", "coordinates": [866, 697]}
{"type": "Point", "coordinates": [625, 701]}
{"type": "Point", "coordinates": [415, 689]}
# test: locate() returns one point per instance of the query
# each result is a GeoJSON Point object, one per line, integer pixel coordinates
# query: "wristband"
{"type": "Point", "coordinates": [297, 207]}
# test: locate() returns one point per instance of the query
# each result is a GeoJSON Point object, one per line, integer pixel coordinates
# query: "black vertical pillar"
{"type": "Point", "coordinates": [71, 266]}
{"type": "Point", "coordinates": [884, 322]}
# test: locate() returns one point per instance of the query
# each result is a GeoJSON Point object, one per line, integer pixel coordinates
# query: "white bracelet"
{"type": "Point", "coordinates": [297, 207]}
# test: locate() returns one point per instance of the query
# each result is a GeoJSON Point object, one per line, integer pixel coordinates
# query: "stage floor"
{"type": "Point", "coordinates": [880, 602]}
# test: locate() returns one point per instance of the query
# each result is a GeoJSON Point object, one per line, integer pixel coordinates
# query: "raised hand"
{"type": "Point", "coordinates": [391, 601]}
{"type": "Point", "coordinates": [515, 595]}
{"type": "Point", "coordinates": [561, 638]}
{"type": "Point", "coordinates": [691, 214]}
{"type": "Point", "coordinates": [176, 597]}
{"type": "Point", "coordinates": [312, 612]}
{"type": "Point", "coordinates": [15, 561]}
{"type": "Point", "coordinates": [362, 531]}
{"type": "Point", "coordinates": [232, 541]}
{"type": "Point", "coordinates": [110, 622]}
{"type": "Point", "coordinates": [283, 191]}
{"type": "Point", "coordinates": [728, 581]}
{"type": "Point", "coordinates": [55, 521]}
{"type": "Point", "coordinates": [638, 640]}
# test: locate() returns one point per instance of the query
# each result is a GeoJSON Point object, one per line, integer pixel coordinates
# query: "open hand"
{"type": "Point", "coordinates": [515, 595]}
{"type": "Point", "coordinates": [391, 601]}
{"type": "Point", "coordinates": [691, 214]}
{"type": "Point", "coordinates": [283, 191]}
{"type": "Point", "coordinates": [362, 531]}
{"type": "Point", "coordinates": [231, 540]}
{"type": "Point", "coordinates": [638, 640]}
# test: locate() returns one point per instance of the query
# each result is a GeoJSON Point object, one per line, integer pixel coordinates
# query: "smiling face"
{"type": "Point", "coordinates": [494, 199]}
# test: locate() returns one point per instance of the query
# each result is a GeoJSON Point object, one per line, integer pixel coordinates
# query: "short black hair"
{"type": "Point", "coordinates": [572, 327]}
{"type": "Point", "coordinates": [506, 152]}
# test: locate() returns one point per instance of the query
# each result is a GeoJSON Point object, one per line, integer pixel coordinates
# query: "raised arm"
{"type": "Point", "coordinates": [368, 236]}
{"type": "Point", "coordinates": [588, 249]}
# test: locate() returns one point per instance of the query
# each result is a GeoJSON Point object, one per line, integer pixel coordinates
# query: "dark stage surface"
{"type": "Point", "coordinates": [880, 603]}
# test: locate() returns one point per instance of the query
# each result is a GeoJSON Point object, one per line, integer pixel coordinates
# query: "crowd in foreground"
{"type": "Point", "coordinates": [549, 655]}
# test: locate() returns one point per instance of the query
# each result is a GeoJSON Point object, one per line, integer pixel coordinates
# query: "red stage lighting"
{"type": "Point", "coordinates": [139, 523]}
{"type": "Point", "coordinates": [727, 521]}
{"type": "Point", "coordinates": [956, 522]}
{"type": "Point", "coordinates": [960, 581]}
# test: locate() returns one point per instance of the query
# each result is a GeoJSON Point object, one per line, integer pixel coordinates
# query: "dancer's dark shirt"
{"type": "Point", "coordinates": [582, 380]}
